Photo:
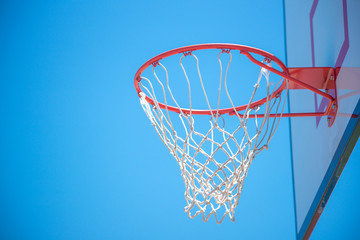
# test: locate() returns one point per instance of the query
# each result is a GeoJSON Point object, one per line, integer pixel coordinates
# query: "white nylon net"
{"type": "Point", "coordinates": [213, 161]}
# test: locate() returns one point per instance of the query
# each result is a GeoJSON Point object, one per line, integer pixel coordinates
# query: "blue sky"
{"type": "Point", "coordinates": [79, 158]}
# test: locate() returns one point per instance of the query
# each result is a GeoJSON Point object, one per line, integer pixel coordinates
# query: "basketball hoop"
{"type": "Point", "coordinates": [214, 160]}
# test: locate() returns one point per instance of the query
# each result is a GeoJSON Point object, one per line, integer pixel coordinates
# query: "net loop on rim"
{"type": "Point", "coordinates": [213, 160]}
{"type": "Point", "coordinates": [187, 53]}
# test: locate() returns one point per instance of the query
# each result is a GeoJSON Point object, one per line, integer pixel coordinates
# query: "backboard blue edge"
{"type": "Point", "coordinates": [332, 175]}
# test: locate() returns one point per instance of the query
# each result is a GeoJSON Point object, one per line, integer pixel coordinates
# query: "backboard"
{"type": "Point", "coordinates": [322, 34]}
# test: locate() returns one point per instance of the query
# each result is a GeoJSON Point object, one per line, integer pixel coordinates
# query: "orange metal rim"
{"type": "Point", "coordinates": [246, 50]}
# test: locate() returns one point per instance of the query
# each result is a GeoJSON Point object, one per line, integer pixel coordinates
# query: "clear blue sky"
{"type": "Point", "coordinates": [79, 159]}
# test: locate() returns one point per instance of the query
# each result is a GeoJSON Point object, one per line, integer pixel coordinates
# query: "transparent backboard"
{"type": "Point", "coordinates": [322, 34]}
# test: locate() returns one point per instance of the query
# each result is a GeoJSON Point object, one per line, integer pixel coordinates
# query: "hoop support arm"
{"type": "Point", "coordinates": [286, 76]}
{"type": "Point", "coordinates": [306, 73]}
